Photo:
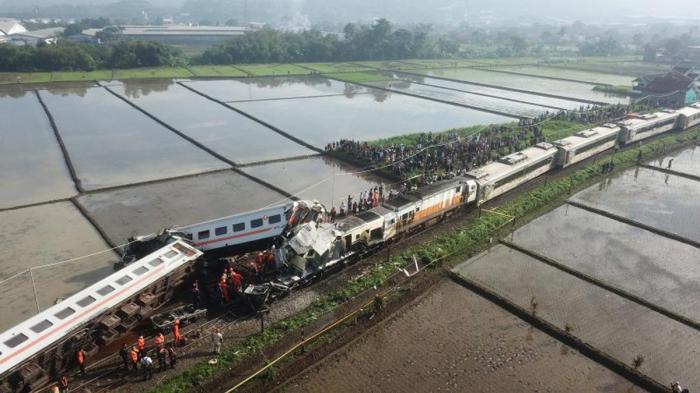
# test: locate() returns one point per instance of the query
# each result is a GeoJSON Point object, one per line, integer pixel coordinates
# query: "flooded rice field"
{"type": "Point", "coordinates": [44, 235]}
{"type": "Point", "coordinates": [657, 269]}
{"type": "Point", "coordinates": [317, 178]}
{"type": "Point", "coordinates": [148, 208]}
{"type": "Point", "coordinates": [572, 90]}
{"type": "Point", "coordinates": [533, 99]}
{"type": "Point", "coordinates": [221, 129]}
{"type": "Point", "coordinates": [685, 161]}
{"type": "Point", "coordinates": [116, 144]}
{"type": "Point", "coordinates": [616, 326]}
{"type": "Point", "coordinates": [266, 88]}
{"type": "Point", "coordinates": [380, 114]}
{"type": "Point", "coordinates": [576, 75]}
{"type": "Point", "coordinates": [653, 198]}
{"type": "Point", "coordinates": [453, 340]}
{"type": "Point", "coordinates": [462, 98]}
{"type": "Point", "coordinates": [33, 169]}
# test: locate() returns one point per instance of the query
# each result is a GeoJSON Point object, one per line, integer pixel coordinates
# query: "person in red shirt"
{"type": "Point", "coordinates": [141, 345]}
{"type": "Point", "coordinates": [159, 340]}
{"type": "Point", "coordinates": [176, 332]}
{"type": "Point", "coordinates": [63, 384]}
{"type": "Point", "coordinates": [236, 281]}
{"type": "Point", "coordinates": [224, 291]}
{"type": "Point", "coordinates": [80, 357]}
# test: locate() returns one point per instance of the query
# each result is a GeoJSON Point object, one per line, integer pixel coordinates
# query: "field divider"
{"type": "Point", "coordinates": [234, 166]}
{"type": "Point", "coordinates": [669, 171]}
{"type": "Point", "coordinates": [608, 287]}
{"type": "Point", "coordinates": [495, 112]}
{"type": "Point", "coordinates": [42, 203]}
{"type": "Point", "coordinates": [637, 224]}
{"type": "Point", "coordinates": [584, 100]}
{"type": "Point", "coordinates": [93, 221]}
{"type": "Point", "coordinates": [66, 156]}
{"type": "Point", "coordinates": [495, 69]}
{"type": "Point", "coordinates": [590, 351]}
{"type": "Point", "coordinates": [289, 98]}
{"type": "Point", "coordinates": [251, 117]}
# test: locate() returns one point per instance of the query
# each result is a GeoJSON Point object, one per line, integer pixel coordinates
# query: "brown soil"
{"type": "Point", "coordinates": [453, 340]}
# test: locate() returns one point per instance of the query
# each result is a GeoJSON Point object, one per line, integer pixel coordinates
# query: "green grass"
{"type": "Point", "coordinates": [216, 70]}
{"type": "Point", "coordinates": [73, 76]}
{"type": "Point", "coordinates": [360, 77]}
{"type": "Point", "coordinates": [24, 77]}
{"type": "Point", "coordinates": [327, 68]}
{"type": "Point", "coordinates": [156, 72]}
{"type": "Point", "coordinates": [451, 248]}
{"type": "Point", "coordinates": [273, 69]}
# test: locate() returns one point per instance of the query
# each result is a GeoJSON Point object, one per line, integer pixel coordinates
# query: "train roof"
{"type": "Point", "coordinates": [690, 110]}
{"type": "Point", "coordinates": [352, 222]}
{"type": "Point", "coordinates": [37, 333]}
{"type": "Point", "coordinates": [403, 200]}
{"type": "Point", "coordinates": [238, 215]}
{"type": "Point", "coordinates": [588, 136]}
{"type": "Point", "coordinates": [648, 118]}
{"type": "Point", "coordinates": [513, 163]}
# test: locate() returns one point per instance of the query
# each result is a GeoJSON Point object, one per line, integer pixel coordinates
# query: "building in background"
{"type": "Point", "coordinates": [37, 37]}
{"type": "Point", "coordinates": [8, 27]}
{"type": "Point", "coordinates": [673, 89]}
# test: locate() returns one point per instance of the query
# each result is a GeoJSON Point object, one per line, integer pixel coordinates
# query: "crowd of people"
{"type": "Point", "coordinates": [448, 154]}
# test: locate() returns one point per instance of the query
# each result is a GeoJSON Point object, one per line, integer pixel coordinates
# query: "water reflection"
{"type": "Point", "coordinates": [138, 88]}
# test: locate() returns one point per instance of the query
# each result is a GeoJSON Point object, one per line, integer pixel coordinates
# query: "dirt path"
{"type": "Point", "coordinates": [453, 340]}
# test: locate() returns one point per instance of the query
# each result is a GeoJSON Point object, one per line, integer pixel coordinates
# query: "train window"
{"type": "Point", "coordinates": [63, 314]}
{"type": "Point", "coordinates": [239, 227]}
{"type": "Point", "coordinates": [105, 290]}
{"type": "Point", "coordinates": [458, 189]}
{"type": "Point", "coordinates": [41, 326]}
{"type": "Point", "coordinates": [140, 271]}
{"type": "Point", "coordinates": [86, 301]}
{"type": "Point", "coordinates": [188, 236]}
{"type": "Point", "coordinates": [256, 223]}
{"type": "Point", "coordinates": [203, 235]}
{"type": "Point", "coordinates": [124, 280]}
{"type": "Point", "coordinates": [275, 219]}
{"type": "Point", "coordinates": [156, 262]}
{"type": "Point", "coordinates": [16, 340]}
{"type": "Point", "coordinates": [171, 254]}
{"type": "Point", "coordinates": [220, 231]}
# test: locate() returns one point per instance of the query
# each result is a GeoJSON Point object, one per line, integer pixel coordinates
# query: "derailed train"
{"type": "Point", "coordinates": [42, 347]}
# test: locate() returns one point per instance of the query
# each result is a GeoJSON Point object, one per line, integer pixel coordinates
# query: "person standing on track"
{"type": "Point", "coordinates": [217, 339]}
{"type": "Point", "coordinates": [63, 383]}
{"type": "Point", "coordinates": [161, 353]}
{"type": "Point", "coordinates": [176, 332]}
{"type": "Point", "coordinates": [172, 356]}
{"type": "Point", "coordinates": [80, 357]}
{"type": "Point", "coordinates": [124, 354]}
{"type": "Point", "coordinates": [134, 355]}
{"type": "Point", "coordinates": [195, 294]}
{"type": "Point", "coordinates": [147, 365]}
{"type": "Point", "coordinates": [141, 346]}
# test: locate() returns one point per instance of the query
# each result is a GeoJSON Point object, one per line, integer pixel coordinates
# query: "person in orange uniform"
{"type": "Point", "coordinates": [80, 357]}
{"type": "Point", "coordinates": [224, 291]}
{"type": "Point", "coordinates": [159, 340]}
{"type": "Point", "coordinates": [176, 332]}
{"type": "Point", "coordinates": [134, 356]}
{"type": "Point", "coordinates": [141, 346]}
{"type": "Point", "coordinates": [236, 280]}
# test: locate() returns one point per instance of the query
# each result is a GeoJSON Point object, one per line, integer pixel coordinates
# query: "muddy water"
{"type": "Point", "coordinates": [313, 179]}
{"type": "Point", "coordinates": [42, 235]}
{"type": "Point", "coordinates": [113, 144]}
{"type": "Point", "coordinates": [494, 104]}
{"type": "Point", "coordinates": [577, 75]}
{"type": "Point", "coordinates": [223, 130]}
{"type": "Point", "coordinates": [686, 161]}
{"type": "Point", "coordinates": [31, 162]}
{"type": "Point", "coordinates": [661, 271]}
{"type": "Point", "coordinates": [455, 341]}
{"type": "Point", "coordinates": [251, 89]}
{"type": "Point", "coordinates": [146, 209]}
{"type": "Point", "coordinates": [506, 94]}
{"type": "Point", "coordinates": [381, 114]}
{"type": "Point", "coordinates": [663, 201]}
{"type": "Point", "coordinates": [610, 323]}
{"type": "Point", "coordinates": [571, 90]}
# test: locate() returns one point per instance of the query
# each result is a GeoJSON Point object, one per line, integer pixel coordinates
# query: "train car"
{"type": "Point", "coordinates": [44, 346]}
{"type": "Point", "coordinates": [585, 144]}
{"type": "Point", "coordinates": [513, 170]}
{"type": "Point", "coordinates": [645, 126]}
{"type": "Point", "coordinates": [689, 116]}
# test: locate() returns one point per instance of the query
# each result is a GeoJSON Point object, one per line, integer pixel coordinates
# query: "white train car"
{"type": "Point", "coordinates": [647, 125]}
{"type": "Point", "coordinates": [79, 314]}
{"type": "Point", "coordinates": [689, 116]}
{"type": "Point", "coordinates": [585, 144]}
{"type": "Point", "coordinates": [513, 170]}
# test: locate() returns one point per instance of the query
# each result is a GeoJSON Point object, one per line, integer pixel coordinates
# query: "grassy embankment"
{"type": "Point", "coordinates": [450, 248]}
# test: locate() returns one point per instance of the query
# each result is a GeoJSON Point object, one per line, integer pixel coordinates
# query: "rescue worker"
{"type": "Point", "coordinates": [270, 265]}
{"type": "Point", "coordinates": [63, 383]}
{"type": "Point", "coordinates": [224, 291]}
{"type": "Point", "coordinates": [172, 356]}
{"type": "Point", "coordinates": [176, 332]}
{"type": "Point", "coordinates": [236, 281]}
{"type": "Point", "coordinates": [195, 294]}
{"type": "Point", "coordinates": [161, 352]}
{"type": "Point", "coordinates": [80, 357]}
{"type": "Point", "coordinates": [260, 260]}
{"type": "Point", "coordinates": [141, 345]}
{"type": "Point", "coordinates": [159, 340]}
{"type": "Point", "coordinates": [217, 339]}
{"type": "Point", "coordinates": [124, 354]}
{"type": "Point", "coordinates": [333, 214]}
{"type": "Point", "coordinates": [147, 365]}
{"type": "Point", "coordinates": [134, 356]}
